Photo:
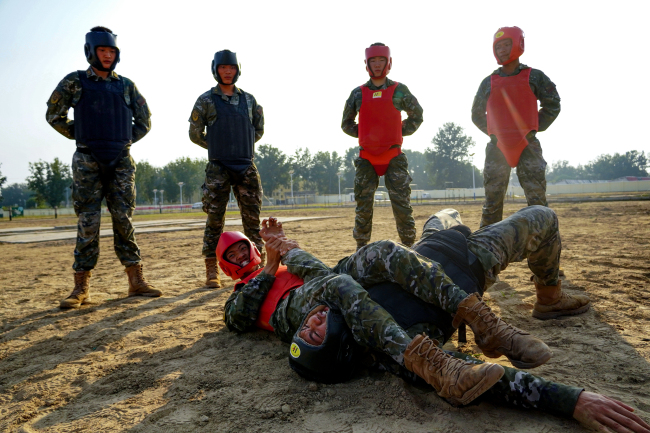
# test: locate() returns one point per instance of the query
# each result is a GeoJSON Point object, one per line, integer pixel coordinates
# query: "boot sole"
{"type": "Point", "coordinates": [145, 295]}
{"type": "Point", "coordinates": [555, 314]}
{"type": "Point", "coordinates": [69, 307]}
{"type": "Point", "coordinates": [526, 365]}
{"type": "Point", "coordinates": [492, 376]}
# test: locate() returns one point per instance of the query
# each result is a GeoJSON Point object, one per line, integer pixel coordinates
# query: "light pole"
{"type": "Point", "coordinates": [339, 175]}
{"type": "Point", "coordinates": [473, 182]}
{"type": "Point", "coordinates": [161, 197]}
{"type": "Point", "coordinates": [181, 185]}
{"type": "Point", "coordinates": [155, 197]}
{"type": "Point", "coordinates": [291, 174]}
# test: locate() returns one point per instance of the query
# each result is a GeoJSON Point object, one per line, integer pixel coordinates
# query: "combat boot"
{"type": "Point", "coordinates": [552, 302]}
{"type": "Point", "coordinates": [138, 286]}
{"type": "Point", "coordinates": [80, 293]}
{"type": "Point", "coordinates": [456, 380]}
{"type": "Point", "coordinates": [495, 337]}
{"type": "Point", "coordinates": [212, 279]}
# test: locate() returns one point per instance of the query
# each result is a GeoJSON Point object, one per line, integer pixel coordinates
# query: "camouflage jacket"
{"type": "Point", "coordinates": [540, 84]}
{"type": "Point", "coordinates": [204, 114]}
{"type": "Point", "coordinates": [68, 93]}
{"type": "Point", "coordinates": [403, 100]}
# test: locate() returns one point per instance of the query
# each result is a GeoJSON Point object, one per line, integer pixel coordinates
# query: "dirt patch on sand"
{"type": "Point", "coordinates": [169, 364]}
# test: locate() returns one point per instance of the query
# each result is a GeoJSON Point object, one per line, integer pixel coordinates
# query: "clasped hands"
{"type": "Point", "coordinates": [276, 243]}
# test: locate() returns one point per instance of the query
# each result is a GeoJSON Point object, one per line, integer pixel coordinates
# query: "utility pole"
{"type": "Point", "coordinates": [291, 174]}
{"type": "Point", "coordinates": [180, 184]}
{"type": "Point", "coordinates": [155, 197]}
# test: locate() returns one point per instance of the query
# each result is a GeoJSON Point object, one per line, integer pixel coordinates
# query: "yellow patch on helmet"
{"type": "Point", "coordinates": [498, 35]}
{"type": "Point", "coordinates": [295, 350]}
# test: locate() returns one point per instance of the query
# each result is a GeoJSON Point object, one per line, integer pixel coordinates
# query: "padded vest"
{"type": "Point", "coordinates": [231, 139]}
{"type": "Point", "coordinates": [102, 119]}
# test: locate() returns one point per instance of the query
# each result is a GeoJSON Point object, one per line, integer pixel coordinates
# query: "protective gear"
{"type": "Point", "coordinates": [380, 127]}
{"type": "Point", "coordinates": [459, 382]}
{"type": "Point", "coordinates": [495, 337]}
{"type": "Point", "coordinates": [512, 113]}
{"type": "Point", "coordinates": [225, 57]}
{"type": "Point", "coordinates": [331, 362]}
{"type": "Point", "coordinates": [212, 279]}
{"type": "Point", "coordinates": [231, 139]}
{"type": "Point", "coordinates": [284, 282]}
{"type": "Point", "coordinates": [552, 302]}
{"type": "Point", "coordinates": [234, 271]}
{"type": "Point", "coordinates": [100, 39]}
{"type": "Point", "coordinates": [516, 35]}
{"type": "Point", "coordinates": [80, 293]}
{"type": "Point", "coordinates": [138, 285]}
{"type": "Point", "coordinates": [378, 51]}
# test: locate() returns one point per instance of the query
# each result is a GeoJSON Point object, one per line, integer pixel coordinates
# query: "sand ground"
{"type": "Point", "coordinates": [169, 364]}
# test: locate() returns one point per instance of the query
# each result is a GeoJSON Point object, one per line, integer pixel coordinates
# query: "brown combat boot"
{"type": "Point", "coordinates": [212, 279]}
{"type": "Point", "coordinates": [495, 337]}
{"type": "Point", "coordinates": [552, 302]}
{"type": "Point", "coordinates": [456, 380]}
{"type": "Point", "coordinates": [138, 286]}
{"type": "Point", "coordinates": [80, 293]}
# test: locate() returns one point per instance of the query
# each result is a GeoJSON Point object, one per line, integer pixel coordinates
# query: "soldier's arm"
{"type": "Point", "coordinates": [242, 307]}
{"type": "Point", "coordinates": [141, 114]}
{"type": "Point", "coordinates": [198, 123]}
{"type": "Point", "coordinates": [549, 99]}
{"type": "Point", "coordinates": [304, 265]}
{"type": "Point", "coordinates": [258, 120]}
{"type": "Point", "coordinates": [59, 104]}
{"type": "Point", "coordinates": [413, 109]}
{"type": "Point", "coordinates": [349, 124]}
{"type": "Point", "coordinates": [479, 106]}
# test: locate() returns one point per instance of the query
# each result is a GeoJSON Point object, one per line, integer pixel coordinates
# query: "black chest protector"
{"type": "Point", "coordinates": [449, 248]}
{"type": "Point", "coordinates": [102, 119]}
{"type": "Point", "coordinates": [231, 139]}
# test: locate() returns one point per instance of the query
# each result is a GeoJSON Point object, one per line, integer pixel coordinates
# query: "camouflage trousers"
{"type": "Point", "coordinates": [532, 233]}
{"type": "Point", "coordinates": [397, 179]}
{"type": "Point", "coordinates": [247, 189]}
{"type": "Point", "coordinates": [531, 171]}
{"type": "Point", "coordinates": [87, 194]}
{"type": "Point", "coordinates": [344, 287]}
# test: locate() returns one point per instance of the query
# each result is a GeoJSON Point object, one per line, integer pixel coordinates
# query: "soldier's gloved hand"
{"type": "Point", "coordinates": [605, 414]}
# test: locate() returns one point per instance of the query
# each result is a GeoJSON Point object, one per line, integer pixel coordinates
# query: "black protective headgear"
{"type": "Point", "coordinates": [331, 362]}
{"type": "Point", "coordinates": [225, 57]}
{"type": "Point", "coordinates": [100, 39]}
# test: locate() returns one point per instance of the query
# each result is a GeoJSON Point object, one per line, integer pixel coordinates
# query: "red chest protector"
{"type": "Point", "coordinates": [512, 114]}
{"type": "Point", "coordinates": [380, 127]}
{"type": "Point", "coordinates": [284, 282]}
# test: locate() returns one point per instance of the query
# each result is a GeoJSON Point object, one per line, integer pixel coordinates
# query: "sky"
{"type": "Point", "coordinates": [302, 59]}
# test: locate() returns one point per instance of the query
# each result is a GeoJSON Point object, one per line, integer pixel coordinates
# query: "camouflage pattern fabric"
{"type": "Point", "coordinates": [204, 114]}
{"type": "Point", "coordinates": [531, 169]}
{"type": "Point", "coordinates": [397, 179]}
{"type": "Point", "coordinates": [247, 189]}
{"type": "Point", "coordinates": [68, 93]}
{"type": "Point", "coordinates": [403, 100]}
{"type": "Point", "coordinates": [87, 194]}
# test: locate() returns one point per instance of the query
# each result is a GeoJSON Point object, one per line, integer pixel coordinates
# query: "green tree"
{"type": "Point", "coordinates": [449, 158]}
{"type": "Point", "coordinates": [17, 194]}
{"type": "Point", "coordinates": [187, 170]}
{"type": "Point", "coordinates": [302, 163]}
{"type": "Point", "coordinates": [324, 172]}
{"type": "Point", "coordinates": [562, 170]}
{"type": "Point", "coordinates": [145, 182]}
{"type": "Point", "coordinates": [273, 166]}
{"type": "Point", "coordinates": [349, 172]}
{"type": "Point", "coordinates": [3, 179]}
{"type": "Point", "coordinates": [608, 167]}
{"type": "Point", "coordinates": [418, 168]}
{"type": "Point", "coordinates": [49, 181]}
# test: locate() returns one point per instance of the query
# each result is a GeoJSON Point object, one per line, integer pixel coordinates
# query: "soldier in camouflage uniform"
{"type": "Point", "coordinates": [513, 144]}
{"type": "Point", "coordinates": [110, 115]}
{"type": "Point", "coordinates": [380, 131]}
{"type": "Point", "coordinates": [234, 122]}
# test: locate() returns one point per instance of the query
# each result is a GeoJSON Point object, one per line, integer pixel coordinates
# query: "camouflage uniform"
{"type": "Point", "coordinates": [87, 188]}
{"type": "Point", "coordinates": [531, 168]}
{"type": "Point", "coordinates": [247, 187]}
{"type": "Point", "coordinates": [397, 177]}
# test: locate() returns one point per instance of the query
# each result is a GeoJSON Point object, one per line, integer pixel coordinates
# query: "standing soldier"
{"type": "Point", "coordinates": [510, 95]}
{"type": "Point", "coordinates": [234, 122]}
{"type": "Point", "coordinates": [379, 103]}
{"type": "Point", "coordinates": [109, 115]}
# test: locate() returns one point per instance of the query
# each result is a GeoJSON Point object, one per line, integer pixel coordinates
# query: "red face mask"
{"type": "Point", "coordinates": [234, 271]}
{"type": "Point", "coordinates": [516, 35]}
{"type": "Point", "coordinates": [379, 51]}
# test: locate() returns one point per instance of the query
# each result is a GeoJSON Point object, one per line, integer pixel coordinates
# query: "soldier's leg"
{"type": "Point", "coordinates": [398, 180]}
{"type": "Point", "coordinates": [496, 174]}
{"type": "Point", "coordinates": [87, 201]}
{"type": "Point", "coordinates": [216, 192]}
{"type": "Point", "coordinates": [248, 192]}
{"type": "Point", "coordinates": [531, 171]}
{"type": "Point", "coordinates": [120, 198]}
{"type": "Point", "coordinates": [441, 220]}
{"type": "Point", "coordinates": [366, 182]}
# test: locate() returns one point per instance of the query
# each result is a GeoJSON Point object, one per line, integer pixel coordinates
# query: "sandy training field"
{"type": "Point", "coordinates": [169, 364]}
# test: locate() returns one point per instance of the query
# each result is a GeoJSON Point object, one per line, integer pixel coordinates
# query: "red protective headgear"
{"type": "Point", "coordinates": [234, 271]}
{"type": "Point", "coordinates": [379, 51]}
{"type": "Point", "coordinates": [516, 35]}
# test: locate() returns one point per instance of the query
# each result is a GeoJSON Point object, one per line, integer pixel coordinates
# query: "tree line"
{"type": "Point", "coordinates": [447, 163]}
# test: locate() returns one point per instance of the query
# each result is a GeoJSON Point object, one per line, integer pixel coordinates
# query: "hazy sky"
{"type": "Point", "coordinates": [302, 59]}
